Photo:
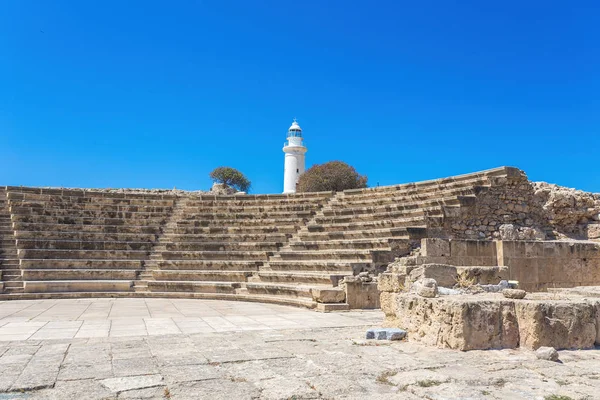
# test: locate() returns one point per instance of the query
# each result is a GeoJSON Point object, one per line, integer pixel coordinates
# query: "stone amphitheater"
{"type": "Point", "coordinates": [300, 249]}
{"type": "Point", "coordinates": [110, 294]}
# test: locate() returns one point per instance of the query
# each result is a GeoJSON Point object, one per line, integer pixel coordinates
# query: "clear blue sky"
{"type": "Point", "coordinates": [156, 94]}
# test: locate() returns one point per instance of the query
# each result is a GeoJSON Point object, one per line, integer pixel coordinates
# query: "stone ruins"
{"type": "Point", "coordinates": [444, 259]}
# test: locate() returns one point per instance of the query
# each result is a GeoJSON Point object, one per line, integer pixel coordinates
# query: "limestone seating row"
{"type": "Point", "coordinates": [227, 230]}
{"type": "Point", "coordinates": [209, 265]}
{"type": "Point", "coordinates": [28, 206]}
{"type": "Point", "coordinates": [228, 237]}
{"type": "Point", "coordinates": [85, 236]}
{"type": "Point", "coordinates": [352, 244]}
{"type": "Point", "coordinates": [239, 222]}
{"type": "Point", "coordinates": [227, 216]}
{"type": "Point", "coordinates": [358, 201]}
{"type": "Point", "coordinates": [215, 255]}
{"type": "Point", "coordinates": [84, 254]}
{"type": "Point", "coordinates": [202, 276]}
{"type": "Point", "coordinates": [78, 274]}
{"type": "Point", "coordinates": [69, 220]}
{"type": "Point", "coordinates": [342, 208]}
{"type": "Point", "coordinates": [60, 244]}
{"type": "Point", "coordinates": [378, 216]}
{"type": "Point", "coordinates": [70, 263]}
{"type": "Point", "coordinates": [84, 193]}
{"type": "Point", "coordinates": [377, 224]}
{"type": "Point", "coordinates": [402, 232]}
{"type": "Point", "coordinates": [79, 286]}
{"type": "Point", "coordinates": [373, 196]}
{"type": "Point", "coordinates": [62, 212]}
{"type": "Point", "coordinates": [87, 228]}
{"type": "Point", "coordinates": [252, 208]}
{"type": "Point", "coordinates": [57, 200]}
{"type": "Point", "coordinates": [223, 246]}
{"type": "Point", "coordinates": [436, 184]}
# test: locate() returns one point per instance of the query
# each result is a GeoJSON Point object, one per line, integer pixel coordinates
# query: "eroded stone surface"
{"type": "Point", "coordinates": [485, 321]}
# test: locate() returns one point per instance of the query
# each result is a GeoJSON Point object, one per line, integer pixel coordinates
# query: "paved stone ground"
{"type": "Point", "coordinates": [254, 351]}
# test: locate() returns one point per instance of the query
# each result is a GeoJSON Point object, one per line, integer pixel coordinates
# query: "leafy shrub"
{"type": "Point", "coordinates": [331, 176]}
{"type": "Point", "coordinates": [230, 177]}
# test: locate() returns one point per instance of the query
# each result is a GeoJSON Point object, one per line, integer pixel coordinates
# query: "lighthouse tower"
{"type": "Point", "coordinates": [294, 158]}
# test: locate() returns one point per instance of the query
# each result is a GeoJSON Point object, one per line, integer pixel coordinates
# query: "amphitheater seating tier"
{"type": "Point", "coordinates": [275, 248]}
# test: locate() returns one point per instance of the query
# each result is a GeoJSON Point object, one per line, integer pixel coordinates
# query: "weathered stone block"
{"type": "Point", "coordinates": [445, 275]}
{"type": "Point", "coordinates": [483, 275]}
{"type": "Point", "coordinates": [560, 324]}
{"type": "Point", "coordinates": [456, 322]}
{"type": "Point", "coordinates": [432, 247]}
{"type": "Point", "coordinates": [514, 293]}
{"type": "Point", "coordinates": [361, 295]}
{"type": "Point", "coordinates": [328, 295]}
{"type": "Point", "coordinates": [391, 282]}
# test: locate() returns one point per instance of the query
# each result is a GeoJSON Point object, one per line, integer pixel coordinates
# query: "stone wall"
{"type": "Point", "coordinates": [531, 210]}
{"type": "Point", "coordinates": [542, 265]}
{"type": "Point", "coordinates": [537, 265]}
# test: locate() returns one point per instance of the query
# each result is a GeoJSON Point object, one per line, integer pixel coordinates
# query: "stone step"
{"type": "Point", "coordinates": [193, 286]}
{"type": "Point", "coordinates": [6, 277]}
{"type": "Point", "coordinates": [209, 265]}
{"type": "Point", "coordinates": [296, 277]}
{"type": "Point", "coordinates": [13, 285]}
{"type": "Point", "coordinates": [244, 230]}
{"type": "Point", "coordinates": [477, 178]}
{"type": "Point", "coordinates": [342, 219]}
{"type": "Point", "coordinates": [345, 210]}
{"type": "Point", "coordinates": [391, 199]}
{"type": "Point", "coordinates": [403, 232]}
{"type": "Point", "coordinates": [84, 254]}
{"type": "Point", "coordinates": [256, 222]}
{"type": "Point", "coordinates": [67, 220]}
{"type": "Point", "coordinates": [81, 245]}
{"type": "Point", "coordinates": [345, 254]}
{"type": "Point", "coordinates": [364, 225]}
{"type": "Point", "coordinates": [215, 255]}
{"type": "Point", "coordinates": [252, 208]}
{"type": "Point", "coordinates": [85, 286]}
{"type": "Point", "coordinates": [351, 244]}
{"type": "Point", "coordinates": [29, 206]}
{"type": "Point", "coordinates": [80, 264]}
{"type": "Point", "coordinates": [332, 266]}
{"type": "Point", "coordinates": [202, 276]}
{"type": "Point", "coordinates": [71, 197]}
{"type": "Point", "coordinates": [53, 227]}
{"type": "Point", "coordinates": [223, 246]}
{"type": "Point", "coordinates": [227, 216]}
{"type": "Point", "coordinates": [290, 290]}
{"type": "Point", "coordinates": [230, 237]}
{"type": "Point", "coordinates": [78, 274]}
{"type": "Point", "coordinates": [86, 236]}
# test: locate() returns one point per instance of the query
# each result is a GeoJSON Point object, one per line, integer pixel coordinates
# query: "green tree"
{"type": "Point", "coordinates": [230, 177]}
{"type": "Point", "coordinates": [331, 176]}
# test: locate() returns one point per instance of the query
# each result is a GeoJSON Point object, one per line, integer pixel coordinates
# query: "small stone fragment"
{"type": "Point", "coordinates": [547, 353]}
{"type": "Point", "coordinates": [427, 287]}
{"type": "Point", "coordinates": [386, 334]}
{"type": "Point", "coordinates": [514, 293]}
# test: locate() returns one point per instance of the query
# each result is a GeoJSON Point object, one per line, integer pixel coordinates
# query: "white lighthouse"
{"type": "Point", "coordinates": [294, 158]}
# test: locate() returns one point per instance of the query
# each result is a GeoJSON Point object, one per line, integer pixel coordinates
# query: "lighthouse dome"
{"type": "Point", "coordinates": [295, 127]}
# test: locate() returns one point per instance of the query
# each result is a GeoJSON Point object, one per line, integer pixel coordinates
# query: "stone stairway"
{"type": "Point", "coordinates": [149, 266]}
{"type": "Point", "coordinates": [10, 270]}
